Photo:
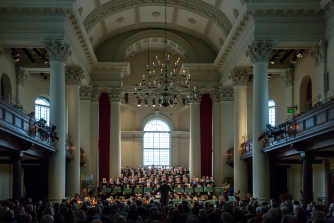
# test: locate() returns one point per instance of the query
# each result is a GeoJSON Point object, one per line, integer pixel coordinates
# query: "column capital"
{"type": "Point", "coordinates": [215, 95]}
{"type": "Point", "coordinates": [319, 52]}
{"type": "Point", "coordinates": [21, 76]}
{"type": "Point", "coordinates": [196, 98]}
{"type": "Point", "coordinates": [259, 51]}
{"type": "Point", "coordinates": [86, 92]}
{"type": "Point", "coordinates": [115, 94]}
{"type": "Point", "coordinates": [74, 75]}
{"type": "Point", "coordinates": [57, 50]}
{"type": "Point", "coordinates": [226, 94]}
{"type": "Point", "coordinates": [96, 93]}
{"type": "Point", "coordinates": [240, 76]}
{"type": "Point", "coordinates": [289, 77]}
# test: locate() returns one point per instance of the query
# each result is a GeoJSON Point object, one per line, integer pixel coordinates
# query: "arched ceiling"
{"type": "Point", "coordinates": [209, 20]}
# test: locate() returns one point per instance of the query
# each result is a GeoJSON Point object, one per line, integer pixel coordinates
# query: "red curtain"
{"type": "Point", "coordinates": [104, 136]}
{"type": "Point", "coordinates": [206, 135]}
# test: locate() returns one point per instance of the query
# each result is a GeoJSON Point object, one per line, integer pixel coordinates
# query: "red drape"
{"type": "Point", "coordinates": [206, 135]}
{"type": "Point", "coordinates": [104, 136]}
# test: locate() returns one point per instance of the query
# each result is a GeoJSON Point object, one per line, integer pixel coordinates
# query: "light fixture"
{"type": "Point", "coordinates": [170, 85]}
{"type": "Point", "coordinates": [139, 102]}
{"type": "Point", "coordinates": [15, 55]}
{"type": "Point", "coordinates": [38, 53]}
{"type": "Point", "coordinates": [300, 53]}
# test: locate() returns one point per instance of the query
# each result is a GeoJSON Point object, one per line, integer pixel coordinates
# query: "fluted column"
{"type": "Point", "coordinates": [115, 98]}
{"type": "Point", "coordinates": [288, 78]}
{"type": "Point", "coordinates": [58, 52]}
{"type": "Point", "coordinates": [216, 144]}
{"type": "Point", "coordinates": [259, 52]}
{"type": "Point", "coordinates": [240, 79]}
{"type": "Point", "coordinates": [21, 77]}
{"type": "Point", "coordinates": [195, 140]}
{"type": "Point", "coordinates": [73, 77]}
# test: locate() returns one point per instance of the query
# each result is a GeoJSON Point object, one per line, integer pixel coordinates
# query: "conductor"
{"type": "Point", "coordinates": [164, 189]}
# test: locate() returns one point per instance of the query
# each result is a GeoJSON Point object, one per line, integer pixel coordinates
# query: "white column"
{"type": "Point", "coordinates": [85, 127]}
{"type": "Point", "coordinates": [115, 96]}
{"type": "Point", "coordinates": [174, 149]}
{"type": "Point", "coordinates": [288, 79]}
{"type": "Point", "coordinates": [139, 150]}
{"type": "Point", "coordinates": [58, 52]}
{"type": "Point", "coordinates": [226, 130]}
{"type": "Point", "coordinates": [21, 77]}
{"type": "Point", "coordinates": [195, 141]}
{"type": "Point", "coordinates": [240, 78]}
{"type": "Point", "coordinates": [259, 53]}
{"type": "Point", "coordinates": [94, 135]}
{"type": "Point", "coordinates": [73, 77]}
{"type": "Point", "coordinates": [216, 143]}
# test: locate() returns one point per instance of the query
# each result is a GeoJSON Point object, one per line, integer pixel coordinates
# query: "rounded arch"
{"type": "Point", "coordinates": [5, 86]}
{"type": "Point", "coordinates": [161, 117]}
{"type": "Point", "coordinates": [305, 92]}
{"type": "Point", "coordinates": [137, 43]}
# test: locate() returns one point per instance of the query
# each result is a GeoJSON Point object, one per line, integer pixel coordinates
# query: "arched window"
{"type": "Point", "coordinates": [156, 143]}
{"type": "Point", "coordinates": [271, 105]}
{"type": "Point", "coordinates": [42, 109]}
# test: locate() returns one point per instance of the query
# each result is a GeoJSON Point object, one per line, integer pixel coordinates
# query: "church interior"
{"type": "Point", "coordinates": [239, 91]}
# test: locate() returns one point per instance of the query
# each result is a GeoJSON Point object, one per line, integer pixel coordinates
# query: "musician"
{"type": "Point", "coordinates": [104, 182]}
{"type": "Point", "coordinates": [164, 189]}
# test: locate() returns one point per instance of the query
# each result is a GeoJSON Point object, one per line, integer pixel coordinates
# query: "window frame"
{"type": "Point", "coordinates": [270, 109]}
{"type": "Point", "coordinates": [39, 108]}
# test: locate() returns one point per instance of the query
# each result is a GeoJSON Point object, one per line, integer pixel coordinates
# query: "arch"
{"type": "Point", "coordinates": [5, 86]}
{"type": "Point", "coordinates": [139, 41]}
{"type": "Point", "coordinates": [305, 92]}
{"type": "Point", "coordinates": [162, 117]}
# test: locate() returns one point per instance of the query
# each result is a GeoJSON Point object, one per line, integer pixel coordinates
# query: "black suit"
{"type": "Point", "coordinates": [164, 189]}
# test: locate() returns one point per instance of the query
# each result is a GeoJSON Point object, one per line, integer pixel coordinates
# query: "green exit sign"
{"type": "Point", "coordinates": [291, 110]}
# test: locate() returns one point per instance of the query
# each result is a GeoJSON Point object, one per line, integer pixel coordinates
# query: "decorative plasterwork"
{"type": "Point", "coordinates": [80, 10]}
{"type": "Point", "coordinates": [208, 69]}
{"type": "Point", "coordinates": [57, 50]}
{"type": "Point", "coordinates": [85, 92]}
{"type": "Point", "coordinates": [235, 13]}
{"type": "Point", "coordinates": [226, 94]}
{"type": "Point", "coordinates": [120, 20]}
{"type": "Point", "coordinates": [198, 7]}
{"type": "Point", "coordinates": [240, 76]}
{"type": "Point", "coordinates": [35, 11]}
{"type": "Point", "coordinates": [288, 77]}
{"type": "Point", "coordinates": [21, 76]}
{"type": "Point", "coordinates": [319, 52]}
{"type": "Point", "coordinates": [326, 4]}
{"type": "Point", "coordinates": [191, 21]}
{"type": "Point", "coordinates": [115, 94]}
{"type": "Point", "coordinates": [156, 14]}
{"type": "Point", "coordinates": [121, 68]}
{"type": "Point", "coordinates": [96, 93]}
{"type": "Point", "coordinates": [259, 51]}
{"type": "Point", "coordinates": [74, 75]}
{"type": "Point", "coordinates": [215, 95]}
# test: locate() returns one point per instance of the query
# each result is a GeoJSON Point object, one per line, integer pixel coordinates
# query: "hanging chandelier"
{"type": "Point", "coordinates": [164, 84]}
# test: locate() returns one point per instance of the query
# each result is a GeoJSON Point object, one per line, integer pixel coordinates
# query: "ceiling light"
{"type": "Point", "coordinates": [15, 55]}
{"type": "Point", "coordinates": [139, 102]}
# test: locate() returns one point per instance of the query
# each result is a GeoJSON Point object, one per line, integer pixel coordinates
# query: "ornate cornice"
{"type": "Point", "coordinates": [326, 4]}
{"type": "Point", "coordinates": [21, 76]}
{"type": "Point", "coordinates": [96, 93]}
{"type": "Point", "coordinates": [215, 96]}
{"type": "Point", "coordinates": [85, 92]}
{"type": "Point", "coordinates": [226, 94]}
{"type": "Point", "coordinates": [259, 51]}
{"type": "Point", "coordinates": [35, 11]}
{"type": "Point", "coordinates": [240, 76]}
{"type": "Point", "coordinates": [115, 94]}
{"type": "Point", "coordinates": [319, 52]}
{"type": "Point", "coordinates": [57, 50]}
{"type": "Point", "coordinates": [74, 76]}
{"type": "Point", "coordinates": [288, 77]}
{"type": "Point", "coordinates": [199, 7]}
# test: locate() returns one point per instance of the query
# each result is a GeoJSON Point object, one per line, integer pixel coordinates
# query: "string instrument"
{"type": "Point", "coordinates": [236, 202]}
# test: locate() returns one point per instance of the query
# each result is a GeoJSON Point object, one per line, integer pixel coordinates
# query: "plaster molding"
{"type": "Point", "coordinates": [35, 10]}
{"type": "Point", "coordinates": [199, 7]}
{"type": "Point", "coordinates": [148, 36]}
{"type": "Point", "coordinates": [240, 76]}
{"type": "Point", "coordinates": [85, 92]}
{"type": "Point", "coordinates": [103, 27]}
{"type": "Point", "coordinates": [21, 76]}
{"type": "Point", "coordinates": [215, 95]}
{"type": "Point", "coordinates": [199, 68]}
{"type": "Point", "coordinates": [96, 94]}
{"type": "Point", "coordinates": [319, 52]}
{"type": "Point", "coordinates": [57, 50]}
{"type": "Point", "coordinates": [119, 68]}
{"type": "Point", "coordinates": [289, 77]}
{"type": "Point", "coordinates": [74, 75]}
{"type": "Point", "coordinates": [175, 16]}
{"type": "Point", "coordinates": [115, 94]}
{"type": "Point", "coordinates": [259, 51]}
{"type": "Point", "coordinates": [226, 94]}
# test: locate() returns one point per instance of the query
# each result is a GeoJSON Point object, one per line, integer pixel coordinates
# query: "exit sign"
{"type": "Point", "coordinates": [291, 110]}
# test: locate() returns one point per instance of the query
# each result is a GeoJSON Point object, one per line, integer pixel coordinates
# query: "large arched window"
{"type": "Point", "coordinates": [271, 106]}
{"type": "Point", "coordinates": [156, 143]}
{"type": "Point", "coordinates": [42, 109]}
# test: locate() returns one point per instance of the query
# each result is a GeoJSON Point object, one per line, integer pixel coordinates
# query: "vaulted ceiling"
{"type": "Point", "coordinates": [209, 20]}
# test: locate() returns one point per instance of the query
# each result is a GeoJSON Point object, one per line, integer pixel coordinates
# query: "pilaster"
{"type": "Point", "coordinates": [288, 77]}
{"type": "Point", "coordinates": [74, 75]}
{"type": "Point", "coordinates": [21, 76]}
{"type": "Point", "coordinates": [86, 92]}
{"type": "Point", "coordinates": [240, 76]}
{"type": "Point", "coordinates": [115, 94]}
{"type": "Point", "coordinates": [319, 53]}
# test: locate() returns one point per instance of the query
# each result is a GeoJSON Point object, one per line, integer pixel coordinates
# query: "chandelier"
{"type": "Point", "coordinates": [164, 84]}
